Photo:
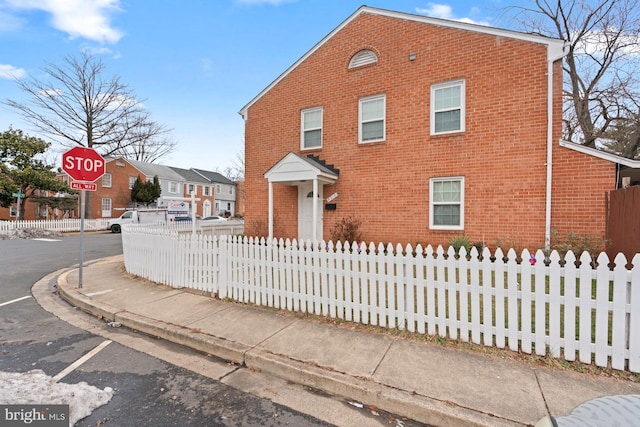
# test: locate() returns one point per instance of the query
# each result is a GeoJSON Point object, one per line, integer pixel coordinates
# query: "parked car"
{"type": "Point", "coordinates": [182, 219]}
{"type": "Point", "coordinates": [214, 218]}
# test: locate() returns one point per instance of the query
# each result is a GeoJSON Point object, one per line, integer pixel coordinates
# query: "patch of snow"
{"type": "Point", "coordinates": [37, 388]}
{"type": "Point", "coordinates": [27, 233]}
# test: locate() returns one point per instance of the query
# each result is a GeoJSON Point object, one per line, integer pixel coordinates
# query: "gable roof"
{"type": "Point", "coordinates": [214, 177]}
{"type": "Point", "coordinates": [293, 168]}
{"type": "Point", "coordinates": [555, 47]}
{"type": "Point", "coordinates": [191, 176]}
{"type": "Point", "coordinates": [152, 169]}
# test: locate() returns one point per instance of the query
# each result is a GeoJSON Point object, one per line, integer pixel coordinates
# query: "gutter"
{"type": "Point", "coordinates": [554, 53]}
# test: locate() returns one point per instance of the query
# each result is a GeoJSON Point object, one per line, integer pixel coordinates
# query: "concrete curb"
{"type": "Point", "coordinates": [84, 303]}
{"type": "Point", "coordinates": [224, 349]}
{"type": "Point", "coordinates": [414, 406]}
{"type": "Point", "coordinates": [411, 405]}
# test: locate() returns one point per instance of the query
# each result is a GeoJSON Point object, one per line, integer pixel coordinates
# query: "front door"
{"type": "Point", "coordinates": [305, 211]}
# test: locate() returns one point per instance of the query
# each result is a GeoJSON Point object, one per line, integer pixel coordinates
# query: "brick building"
{"type": "Point", "coordinates": [217, 194]}
{"type": "Point", "coordinates": [423, 129]}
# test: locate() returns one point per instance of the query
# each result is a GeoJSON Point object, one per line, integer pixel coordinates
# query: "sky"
{"type": "Point", "coordinates": [193, 63]}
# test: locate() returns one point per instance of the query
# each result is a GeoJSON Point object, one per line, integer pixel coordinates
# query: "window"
{"type": "Point", "coordinates": [447, 107]}
{"type": "Point", "coordinates": [206, 190]}
{"type": "Point", "coordinates": [218, 188]}
{"type": "Point", "coordinates": [230, 189]}
{"type": "Point", "coordinates": [372, 119]}
{"type": "Point", "coordinates": [13, 211]}
{"type": "Point", "coordinates": [173, 187]}
{"type": "Point", "coordinates": [106, 208]}
{"type": "Point", "coordinates": [106, 180]}
{"type": "Point", "coordinates": [311, 128]}
{"type": "Point", "coordinates": [191, 188]}
{"type": "Point", "coordinates": [364, 57]}
{"type": "Point", "coordinates": [132, 180]}
{"type": "Point", "coordinates": [446, 197]}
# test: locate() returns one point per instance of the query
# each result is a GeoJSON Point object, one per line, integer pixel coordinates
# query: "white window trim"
{"type": "Point", "coordinates": [384, 118]}
{"type": "Point", "coordinates": [432, 103]}
{"type": "Point", "coordinates": [302, 129]}
{"type": "Point", "coordinates": [461, 203]}
{"type": "Point", "coordinates": [110, 179]}
{"type": "Point", "coordinates": [132, 181]}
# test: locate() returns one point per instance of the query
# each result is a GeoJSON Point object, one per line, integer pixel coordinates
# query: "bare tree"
{"type": "Point", "coordinates": [77, 105]}
{"type": "Point", "coordinates": [601, 62]}
{"type": "Point", "coordinates": [148, 142]}
{"type": "Point", "coordinates": [623, 136]}
{"type": "Point", "coordinates": [235, 172]}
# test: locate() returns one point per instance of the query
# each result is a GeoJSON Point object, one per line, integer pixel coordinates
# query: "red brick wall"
{"type": "Point", "coordinates": [502, 153]}
{"type": "Point", "coordinates": [200, 195]}
{"type": "Point", "coordinates": [119, 191]}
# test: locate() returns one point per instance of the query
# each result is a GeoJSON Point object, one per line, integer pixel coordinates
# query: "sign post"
{"type": "Point", "coordinates": [84, 165]}
{"type": "Point", "coordinates": [18, 196]}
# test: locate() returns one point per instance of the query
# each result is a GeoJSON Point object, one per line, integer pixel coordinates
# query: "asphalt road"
{"type": "Point", "coordinates": [155, 383]}
{"type": "Point", "coordinates": [149, 391]}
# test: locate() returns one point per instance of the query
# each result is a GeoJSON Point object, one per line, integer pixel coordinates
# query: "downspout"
{"type": "Point", "coordinates": [553, 56]}
{"type": "Point", "coordinates": [270, 211]}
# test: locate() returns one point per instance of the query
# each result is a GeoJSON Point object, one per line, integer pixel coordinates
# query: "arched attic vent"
{"type": "Point", "coordinates": [363, 57]}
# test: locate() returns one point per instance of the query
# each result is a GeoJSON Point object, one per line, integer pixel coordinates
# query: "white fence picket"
{"type": "Point", "coordinates": [535, 305]}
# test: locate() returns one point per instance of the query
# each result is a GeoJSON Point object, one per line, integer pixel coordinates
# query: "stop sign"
{"type": "Point", "coordinates": [83, 164]}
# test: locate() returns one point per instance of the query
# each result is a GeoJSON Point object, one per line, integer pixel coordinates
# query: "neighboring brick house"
{"type": "Point", "coordinates": [225, 192]}
{"type": "Point", "coordinates": [112, 197]}
{"type": "Point", "coordinates": [423, 129]}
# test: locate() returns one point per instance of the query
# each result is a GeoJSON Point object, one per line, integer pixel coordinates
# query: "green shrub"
{"type": "Point", "coordinates": [460, 241]}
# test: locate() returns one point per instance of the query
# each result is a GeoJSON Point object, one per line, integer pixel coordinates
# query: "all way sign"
{"type": "Point", "coordinates": [89, 186]}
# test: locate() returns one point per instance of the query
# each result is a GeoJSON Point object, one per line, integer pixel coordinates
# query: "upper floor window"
{"type": "Point", "coordinates": [311, 128]}
{"type": "Point", "coordinates": [447, 107]}
{"type": "Point", "coordinates": [106, 180]}
{"type": "Point", "coordinates": [372, 119]}
{"type": "Point", "coordinates": [191, 188]}
{"type": "Point", "coordinates": [218, 188]}
{"type": "Point", "coordinates": [173, 187]}
{"type": "Point", "coordinates": [363, 57]}
{"type": "Point", "coordinates": [132, 180]}
{"type": "Point", "coordinates": [230, 189]}
{"type": "Point", "coordinates": [446, 199]}
{"type": "Point", "coordinates": [206, 190]}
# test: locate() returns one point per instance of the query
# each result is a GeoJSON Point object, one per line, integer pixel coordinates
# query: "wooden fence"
{"type": "Point", "coordinates": [569, 308]}
{"type": "Point", "coordinates": [623, 221]}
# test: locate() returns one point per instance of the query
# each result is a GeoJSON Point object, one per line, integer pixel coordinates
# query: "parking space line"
{"type": "Point", "coordinates": [14, 300]}
{"type": "Point", "coordinates": [80, 361]}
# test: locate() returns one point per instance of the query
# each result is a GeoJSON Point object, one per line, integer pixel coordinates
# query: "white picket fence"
{"type": "Point", "coordinates": [541, 305]}
{"type": "Point", "coordinates": [59, 225]}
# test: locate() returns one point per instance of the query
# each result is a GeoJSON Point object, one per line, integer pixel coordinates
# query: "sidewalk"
{"type": "Point", "coordinates": [425, 382]}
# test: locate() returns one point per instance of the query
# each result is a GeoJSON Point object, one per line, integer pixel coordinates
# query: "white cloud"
{"type": "Point", "coordinates": [596, 43]}
{"type": "Point", "coordinates": [10, 72]}
{"type": "Point", "coordinates": [50, 93]}
{"type": "Point", "coordinates": [444, 11]}
{"type": "Point", "coordinates": [88, 19]}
